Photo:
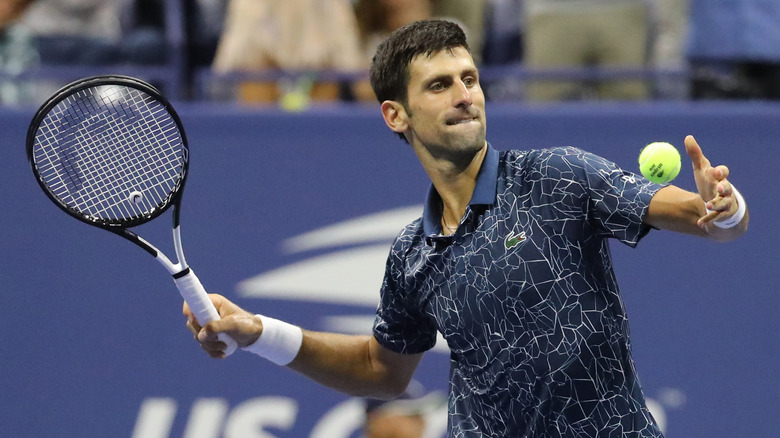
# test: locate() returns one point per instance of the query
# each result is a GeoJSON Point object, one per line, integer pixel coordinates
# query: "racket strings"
{"type": "Point", "coordinates": [102, 144]}
{"type": "Point", "coordinates": [123, 168]}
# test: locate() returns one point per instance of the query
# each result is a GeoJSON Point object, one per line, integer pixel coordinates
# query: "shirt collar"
{"type": "Point", "coordinates": [484, 193]}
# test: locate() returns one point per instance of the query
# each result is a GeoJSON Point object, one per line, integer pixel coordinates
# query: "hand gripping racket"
{"type": "Point", "coordinates": [111, 152]}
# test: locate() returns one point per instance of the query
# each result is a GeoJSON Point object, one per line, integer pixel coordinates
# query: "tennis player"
{"type": "Point", "coordinates": [509, 262]}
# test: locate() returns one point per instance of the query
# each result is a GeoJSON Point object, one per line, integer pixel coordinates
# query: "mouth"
{"type": "Point", "coordinates": [461, 120]}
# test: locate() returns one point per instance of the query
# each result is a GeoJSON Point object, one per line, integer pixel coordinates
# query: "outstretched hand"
{"type": "Point", "coordinates": [236, 322]}
{"type": "Point", "coordinates": [712, 184]}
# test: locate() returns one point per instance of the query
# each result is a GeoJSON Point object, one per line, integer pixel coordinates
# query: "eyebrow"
{"type": "Point", "coordinates": [437, 78]}
{"type": "Point", "coordinates": [446, 77]}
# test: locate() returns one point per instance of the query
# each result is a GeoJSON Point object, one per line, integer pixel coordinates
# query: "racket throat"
{"type": "Point", "coordinates": [181, 274]}
{"type": "Point", "coordinates": [177, 246]}
{"type": "Point", "coordinates": [180, 269]}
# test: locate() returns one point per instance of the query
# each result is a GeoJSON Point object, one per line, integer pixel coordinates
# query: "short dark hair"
{"type": "Point", "coordinates": [390, 65]}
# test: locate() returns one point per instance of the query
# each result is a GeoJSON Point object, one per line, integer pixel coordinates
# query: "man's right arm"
{"type": "Point", "coordinates": [355, 365]}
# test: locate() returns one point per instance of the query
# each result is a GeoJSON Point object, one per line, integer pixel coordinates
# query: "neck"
{"type": "Point", "coordinates": [455, 184]}
{"type": "Point", "coordinates": [446, 228]}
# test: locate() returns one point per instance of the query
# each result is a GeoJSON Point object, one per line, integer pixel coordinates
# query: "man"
{"type": "Point", "coordinates": [578, 34]}
{"type": "Point", "coordinates": [402, 417]}
{"type": "Point", "coordinates": [509, 262]}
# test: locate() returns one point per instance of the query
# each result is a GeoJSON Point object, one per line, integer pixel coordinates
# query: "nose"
{"type": "Point", "coordinates": [463, 95]}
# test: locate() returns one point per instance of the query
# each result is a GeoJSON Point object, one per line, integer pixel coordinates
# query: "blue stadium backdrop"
{"type": "Point", "coordinates": [292, 214]}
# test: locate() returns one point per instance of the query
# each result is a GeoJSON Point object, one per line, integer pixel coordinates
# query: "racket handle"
{"type": "Point", "coordinates": [196, 297]}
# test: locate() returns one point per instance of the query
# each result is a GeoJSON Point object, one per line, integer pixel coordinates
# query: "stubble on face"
{"type": "Point", "coordinates": [445, 104]}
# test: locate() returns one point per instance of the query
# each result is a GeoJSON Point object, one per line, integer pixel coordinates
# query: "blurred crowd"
{"type": "Point", "coordinates": [291, 52]}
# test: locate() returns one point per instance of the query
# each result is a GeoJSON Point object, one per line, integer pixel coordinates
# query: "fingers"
{"type": "Point", "coordinates": [697, 157]}
{"type": "Point", "coordinates": [721, 172]}
{"type": "Point", "coordinates": [193, 325]}
{"type": "Point", "coordinates": [219, 302]}
{"type": "Point", "coordinates": [722, 188]}
{"type": "Point", "coordinates": [711, 182]}
{"type": "Point", "coordinates": [215, 349]}
{"type": "Point", "coordinates": [724, 203]}
{"type": "Point", "coordinates": [724, 200]}
{"type": "Point", "coordinates": [207, 336]}
{"type": "Point", "coordinates": [707, 218]}
{"type": "Point", "coordinates": [234, 322]}
{"type": "Point", "coordinates": [702, 164]}
{"type": "Point", "coordinates": [209, 341]}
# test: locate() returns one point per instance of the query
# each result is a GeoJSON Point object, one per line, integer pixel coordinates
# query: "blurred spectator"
{"type": "Point", "coordinates": [503, 45]}
{"type": "Point", "coordinates": [97, 32]}
{"type": "Point", "coordinates": [143, 39]}
{"type": "Point", "coordinates": [75, 31]}
{"type": "Point", "coordinates": [503, 36]}
{"type": "Point", "coordinates": [574, 34]}
{"type": "Point", "coordinates": [10, 10]}
{"type": "Point", "coordinates": [470, 14]}
{"type": "Point", "coordinates": [735, 49]}
{"type": "Point", "coordinates": [669, 36]}
{"type": "Point", "coordinates": [204, 26]}
{"type": "Point", "coordinates": [288, 35]}
{"type": "Point", "coordinates": [378, 18]}
{"type": "Point", "coordinates": [408, 416]}
{"type": "Point", "coordinates": [17, 53]}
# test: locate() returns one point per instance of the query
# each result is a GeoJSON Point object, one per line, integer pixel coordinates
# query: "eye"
{"type": "Point", "coordinates": [470, 81]}
{"type": "Point", "coordinates": [437, 86]}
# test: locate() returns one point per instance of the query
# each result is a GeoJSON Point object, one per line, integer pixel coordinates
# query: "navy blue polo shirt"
{"type": "Point", "coordinates": [526, 297]}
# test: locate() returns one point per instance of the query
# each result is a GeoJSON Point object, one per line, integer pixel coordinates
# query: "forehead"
{"type": "Point", "coordinates": [443, 62]}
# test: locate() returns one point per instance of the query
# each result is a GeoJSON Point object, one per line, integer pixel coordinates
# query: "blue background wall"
{"type": "Point", "coordinates": [92, 329]}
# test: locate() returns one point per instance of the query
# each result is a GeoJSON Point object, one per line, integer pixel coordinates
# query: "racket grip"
{"type": "Point", "coordinates": [193, 292]}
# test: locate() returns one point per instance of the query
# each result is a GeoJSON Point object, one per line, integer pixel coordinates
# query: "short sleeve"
{"type": "Point", "coordinates": [401, 324]}
{"type": "Point", "coordinates": [617, 199]}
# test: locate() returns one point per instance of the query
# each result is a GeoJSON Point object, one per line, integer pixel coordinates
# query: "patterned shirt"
{"type": "Point", "coordinates": [526, 297]}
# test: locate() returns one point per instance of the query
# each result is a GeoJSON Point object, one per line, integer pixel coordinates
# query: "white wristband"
{"type": "Point", "coordinates": [279, 342]}
{"type": "Point", "coordinates": [737, 217]}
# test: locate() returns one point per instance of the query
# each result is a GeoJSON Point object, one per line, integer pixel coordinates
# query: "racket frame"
{"type": "Point", "coordinates": [190, 287]}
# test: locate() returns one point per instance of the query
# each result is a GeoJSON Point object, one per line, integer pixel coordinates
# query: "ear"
{"type": "Point", "coordinates": [395, 116]}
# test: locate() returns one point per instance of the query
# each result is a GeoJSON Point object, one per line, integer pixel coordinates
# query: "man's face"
{"type": "Point", "coordinates": [379, 425]}
{"type": "Point", "coordinates": [445, 103]}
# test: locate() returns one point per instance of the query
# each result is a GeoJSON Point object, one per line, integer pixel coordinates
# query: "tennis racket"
{"type": "Point", "coordinates": [111, 151]}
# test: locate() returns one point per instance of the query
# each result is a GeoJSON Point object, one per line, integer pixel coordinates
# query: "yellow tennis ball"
{"type": "Point", "coordinates": [660, 162]}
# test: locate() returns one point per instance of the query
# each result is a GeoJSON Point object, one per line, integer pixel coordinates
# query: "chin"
{"type": "Point", "coordinates": [473, 141]}
{"type": "Point", "coordinates": [467, 147]}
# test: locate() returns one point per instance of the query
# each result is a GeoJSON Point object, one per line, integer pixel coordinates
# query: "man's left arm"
{"type": "Point", "coordinates": [718, 211]}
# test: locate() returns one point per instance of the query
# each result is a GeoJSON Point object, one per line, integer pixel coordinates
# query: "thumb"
{"type": "Point", "coordinates": [210, 331]}
{"type": "Point", "coordinates": [204, 335]}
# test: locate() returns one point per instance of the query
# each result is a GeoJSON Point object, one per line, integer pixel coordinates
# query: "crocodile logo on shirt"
{"type": "Point", "coordinates": [512, 240]}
